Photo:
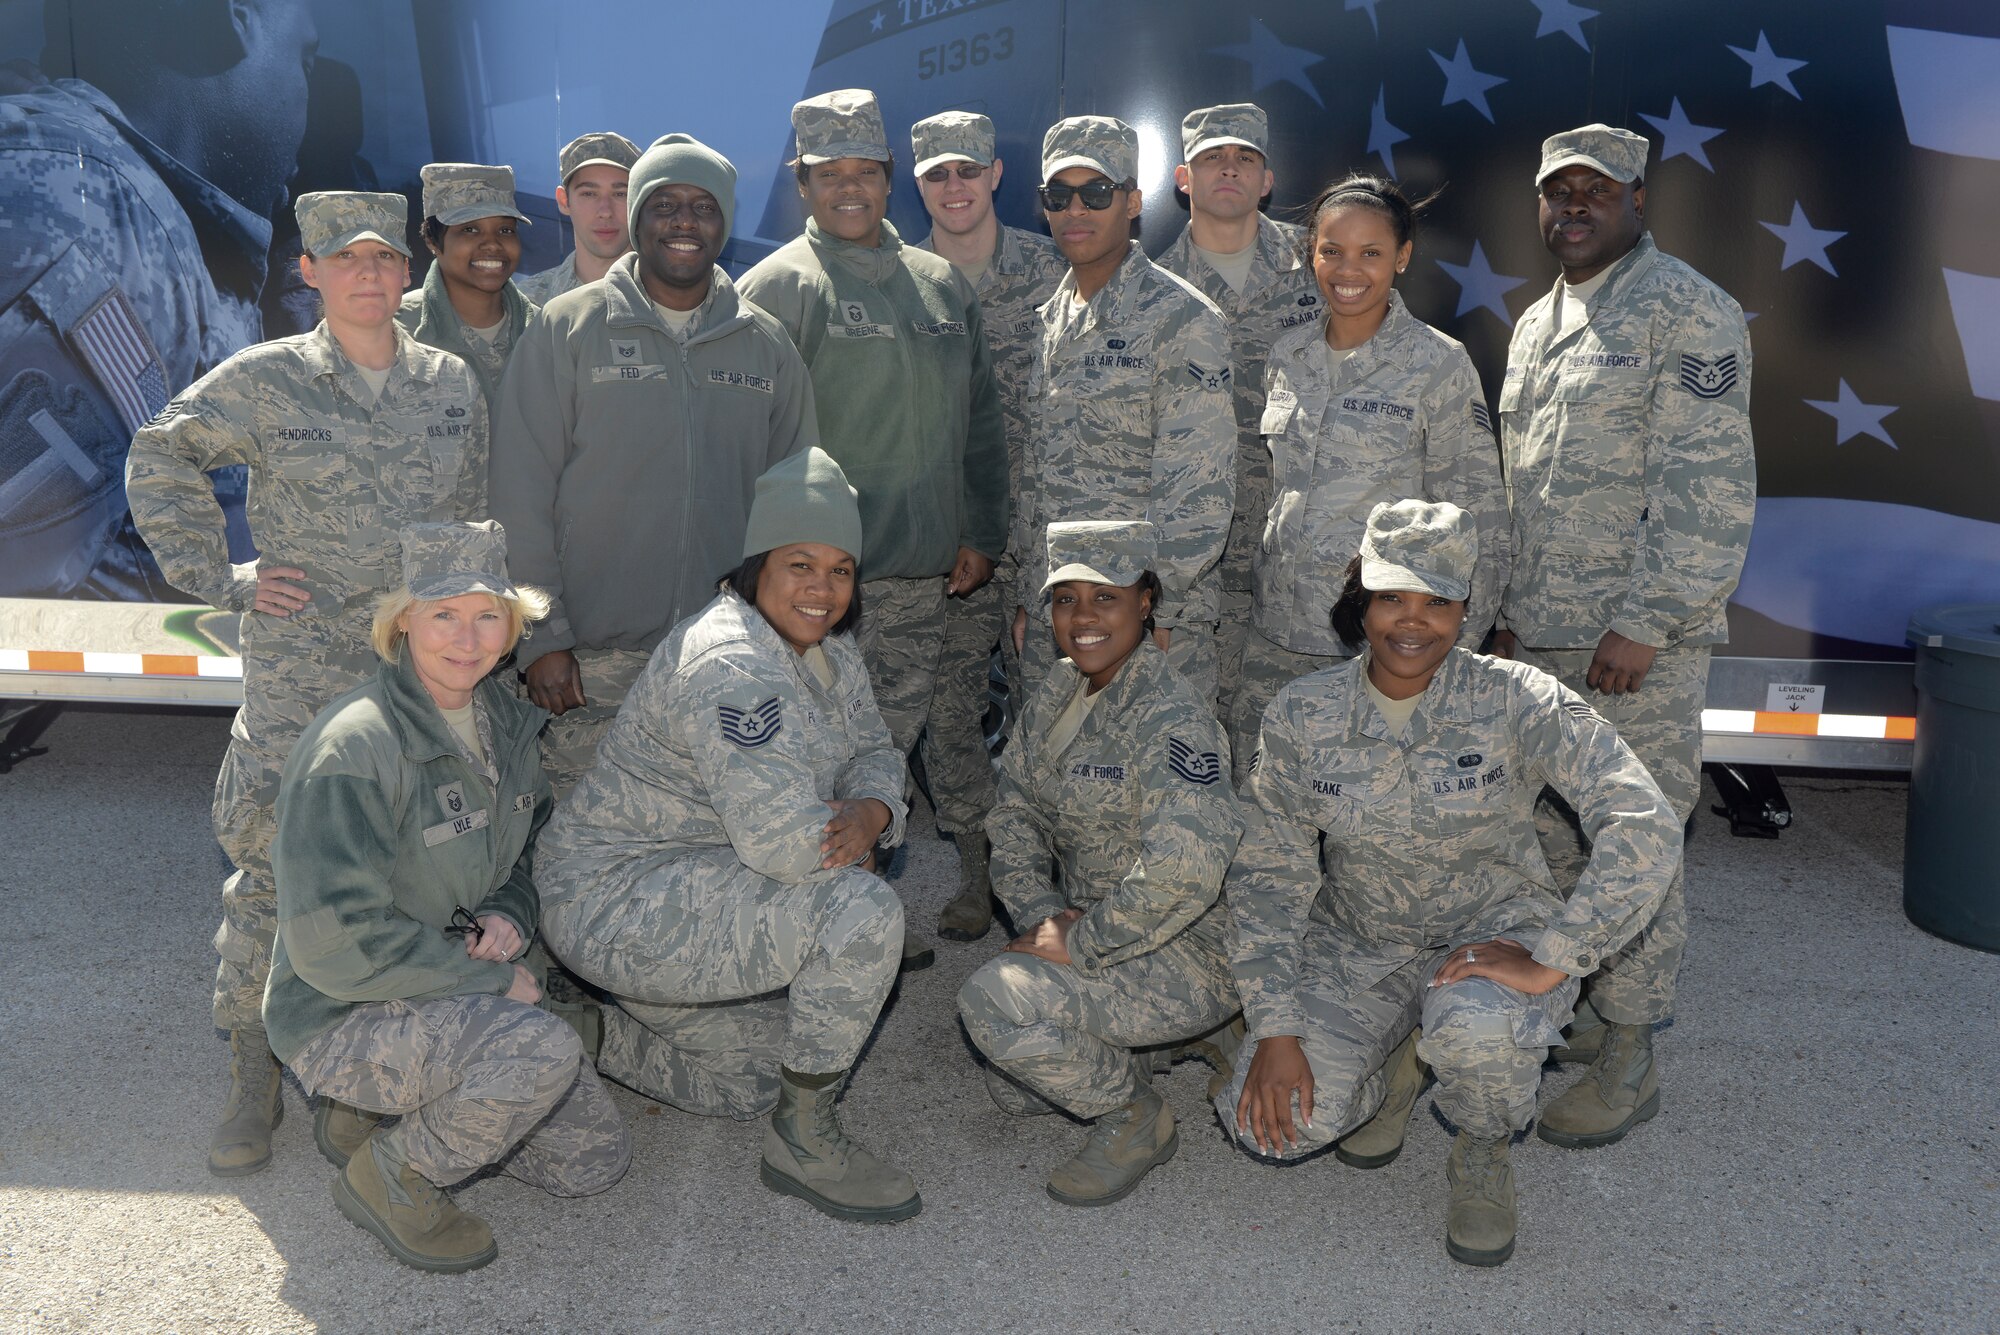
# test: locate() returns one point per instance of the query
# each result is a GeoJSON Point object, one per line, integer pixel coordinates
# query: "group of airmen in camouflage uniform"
{"type": "Point", "coordinates": [1236, 519]}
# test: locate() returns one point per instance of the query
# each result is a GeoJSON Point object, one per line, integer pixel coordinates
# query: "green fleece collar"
{"type": "Point", "coordinates": [627, 303]}
{"type": "Point", "coordinates": [420, 724]}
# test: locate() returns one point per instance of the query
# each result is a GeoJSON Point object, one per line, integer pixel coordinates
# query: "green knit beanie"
{"type": "Point", "coordinates": [681, 159]}
{"type": "Point", "coordinates": [804, 499]}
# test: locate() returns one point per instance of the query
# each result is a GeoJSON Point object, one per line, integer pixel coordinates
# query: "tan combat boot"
{"type": "Point", "coordinates": [1583, 1038]}
{"type": "Point", "coordinates": [256, 1104]}
{"type": "Point", "coordinates": [970, 912]}
{"type": "Point", "coordinates": [1620, 1090]}
{"type": "Point", "coordinates": [339, 1128]}
{"type": "Point", "coordinates": [1124, 1145]}
{"type": "Point", "coordinates": [1377, 1141]}
{"type": "Point", "coordinates": [1479, 1230]}
{"type": "Point", "coordinates": [808, 1155]}
{"type": "Point", "coordinates": [414, 1219]}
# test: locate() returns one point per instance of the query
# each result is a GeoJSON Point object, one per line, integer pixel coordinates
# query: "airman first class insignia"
{"type": "Point", "coordinates": [1206, 378]}
{"type": "Point", "coordinates": [1200, 768]}
{"type": "Point", "coordinates": [751, 728]}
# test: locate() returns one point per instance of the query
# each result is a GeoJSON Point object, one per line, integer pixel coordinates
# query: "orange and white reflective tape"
{"type": "Point", "coordinates": [120, 665]}
{"type": "Point", "coordinates": [1866, 727]}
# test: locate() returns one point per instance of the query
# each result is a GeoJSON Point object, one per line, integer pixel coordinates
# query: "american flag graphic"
{"type": "Point", "coordinates": [122, 359]}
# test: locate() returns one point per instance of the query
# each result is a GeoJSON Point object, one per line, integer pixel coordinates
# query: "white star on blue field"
{"type": "Point", "coordinates": [1803, 241]}
{"type": "Point", "coordinates": [875, 21]}
{"type": "Point", "coordinates": [1382, 136]}
{"type": "Point", "coordinates": [1681, 137]}
{"type": "Point", "coordinates": [1463, 83]}
{"type": "Point", "coordinates": [1479, 286]}
{"type": "Point", "coordinates": [1563, 17]}
{"type": "Point", "coordinates": [1854, 418]}
{"type": "Point", "coordinates": [1271, 61]}
{"type": "Point", "coordinates": [1369, 5]}
{"type": "Point", "coordinates": [1767, 66]}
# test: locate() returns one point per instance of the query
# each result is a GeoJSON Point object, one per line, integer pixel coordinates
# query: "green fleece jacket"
{"type": "Point", "coordinates": [904, 386]}
{"type": "Point", "coordinates": [427, 316]}
{"type": "Point", "coordinates": [384, 830]}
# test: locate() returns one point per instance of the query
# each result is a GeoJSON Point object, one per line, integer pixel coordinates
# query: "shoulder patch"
{"type": "Point", "coordinates": [1482, 416]}
{"type": "Point", "coordinates": [1706, 379]}
{"type": "Point", "coordinates": [1200, 768]}
{"type": "Point", "coordinates": [1578, 709]}
{"type": "Point", "coordinates": [1207, 379]}
{"type": "Point", "coordinates": [751, 728]}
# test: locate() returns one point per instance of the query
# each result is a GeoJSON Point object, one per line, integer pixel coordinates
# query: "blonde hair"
{"type": "Point", "coordinates": [528, 604]}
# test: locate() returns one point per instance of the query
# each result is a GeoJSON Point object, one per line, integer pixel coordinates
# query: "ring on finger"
{"type": "Point", "coordinates": [1470, 958]}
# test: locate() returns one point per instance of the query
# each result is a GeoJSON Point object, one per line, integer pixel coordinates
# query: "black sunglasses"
{"type": "Point", "coordinates": [967, 171]}
{"type": "Point", "coordinates": [1096, 194]}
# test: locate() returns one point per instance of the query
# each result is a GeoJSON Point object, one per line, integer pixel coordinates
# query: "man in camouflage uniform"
{"type": "Point", "coordinates": [127, 272]}
{"type": "Point", "coordinates": [907, 401]}
{"type": "Point", "coordinates": [336, 471]}
{"type": "Point", "coordinates": [1129, 404]}
{"type": "Point", "coordinates": [1625, 427]}
{"type": "Point", "coordinates": [632, 429]}
{"type": "Point", "coordinates": [1134, 805]}
{"type": "Point", "coordinates": [1386, 880]}
{"type": "Point", "coordinates": [595, 170]}
{"type": "Point", "coordinates": [1254, 270]}
{"type": "Point", "coordinates": [1013, 272]}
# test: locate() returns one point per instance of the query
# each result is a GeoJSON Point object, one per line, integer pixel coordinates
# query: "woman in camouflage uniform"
{"type": "Point", "coordinates": [721, 852]}
{"type": "Point", "coordinates": [405, 903]}
{"type": "Point", "coordinates": [1390, 877]}
{"type": "Point", "coordinates": [469, 304]}
{"type": "Point", "coordinates": [1119, 774]}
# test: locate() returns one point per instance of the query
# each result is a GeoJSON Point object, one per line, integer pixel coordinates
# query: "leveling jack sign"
{"type": "Point", "coordinates": [1789, 698]}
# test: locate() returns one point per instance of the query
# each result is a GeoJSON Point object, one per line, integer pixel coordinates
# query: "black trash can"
{"type": "Point", "coordinates": [1951, 850]}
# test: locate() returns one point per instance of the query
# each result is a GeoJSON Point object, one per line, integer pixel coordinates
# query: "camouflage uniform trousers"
{"type": "Point", "coordinates": [569, 740]}
{"type": "Point", "coordinates": [901, 639]}
{"type": "Point", "coordinates": [1661, 722]}
{"type": "Point", "coordinates": [282, 693]}
{"type": "Point", "coordinates": [1267, 668]}
{"type": "Point", "coordinates": [1484, 1040]}
{"type": "Point", "coordinates": [1235, 629]}
{"type": "Point", "coordinates": [1191, 651]}
{"type": "Point", "coordinates": [690, 952]}
{"type": "Point", "coordinates": [956, 761]}
{"type": "Point", "coordinates": [1068, 1037]}
{"type": "Point", "coordinates": [478, 1080]}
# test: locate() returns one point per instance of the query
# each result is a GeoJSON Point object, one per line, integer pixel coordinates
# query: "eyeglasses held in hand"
{"type": "Point", "coordinates": [464, 924]}
{"type": "Point", "coordinates": [967, 171]}
{"type": "Point", "coordinates": [1097, 195]}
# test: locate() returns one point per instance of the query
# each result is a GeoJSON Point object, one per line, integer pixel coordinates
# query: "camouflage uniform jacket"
{"type": "Point", "coordinates": [619, 448]}
{"type": "Point", "coordinates": [1131, 419]}
{"type": "Point", "coordinates": [1136, 810]}
{"type": "Point", "coordinates": [1430, 841]}
{"type": "Point", "coordinates": [1629, 463]}
{"type": "Point", "coordinates": [333, 478]}
{"type": "Point", "coordinates": [728, 741]}
{"type": "Point", "coordinates": [428, 316]}
{"type": "Point", "coordinates": [1402, 417]}
{"type": "Point", "coordinates": [1280, 295]}
{"type": "Point", "coordinates": [1024, 271]}
{"type": "Point", "coordinates": [904, 385]}
{"type": "Point", "coordinates": [550, 283]}
{"type": "Point", "coordinates": [385, 827]}
{"type": "Point", "coordinates": [124, 278]}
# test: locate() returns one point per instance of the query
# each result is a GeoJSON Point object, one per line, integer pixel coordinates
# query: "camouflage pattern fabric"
{"type": "Point", "coordinates": [1266, 668]}
{"type": "Point", "coordinates": [1403, 418]}
{"type": "Point", "coordinates": [1484, 1041]}
{"type": "Point", "coordinates": [1280, 295]}
{"type": "Point", "coordinates": [478, 1080]}
{"type": "Point", "coordinates": [1661, 722]}
{"type": "Point", "coordinates": [1104, 144]}
{"type": "Point", "coordinates": [1138, 815]}
{"type": "Point", "coordinates": [713, 1059]}
{"type": "Point", "coordinates": [1129, 399]}
{"type": "Point", "coordinates": [951, 136]}
{"type": "Point", "coordinates": [605, 146]}
{"type": "Point", "coordinates": [1191, 651]}
{"type": "Point", "coordinates": [1025, 269]}
{"type": "Point", "coordinates": [845, 123]}
{"type": "Point", "coordinates": [429, 317]}
{"type": "Point", "coordinates": [125, 278]}
{"type": "Point", "coordinates": [332, 220]}
{"type": "Point", "coordinates": [457, 192]}
{"type": "Point", "coordinates": [1430, 840]}
{"type": "Point", "coordinates": [901, 637]}
{"type": "Point", "coordinates": [569, 741]}
{"type": "Point", "coordinates": [550, 283]}
{"type": "Point", "coordinates": [335, 475]}
{"type": "Point", "coordinates": [1629, 462]}
{"type": "Point", "coordinates": [684, 868]}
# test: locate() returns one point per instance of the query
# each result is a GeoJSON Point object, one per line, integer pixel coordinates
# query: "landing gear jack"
{"type": "Point", "coordinates": [1752, 800]}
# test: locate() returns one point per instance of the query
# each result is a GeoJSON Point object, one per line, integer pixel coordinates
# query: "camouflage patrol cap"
{"type": "Point", "coordinates": [446, 560]}
{"type": "Point", "coordinates": [332, 220]}
{"type": "Point", "coordinates": [1232, 123]}
{"type": "Point", "coordinates": [605, 146]}
{"type": "Point", "coordinates": [1619, 154]}
{"type": "Point", "coordinates": [951, 136]}
{"type": "Point", "coordinates": [1101, 143]}
{"type": "Point", "coordinates": [457, 192]}
{"type": "Point", "coordinates": [845, 123]}
{"type": "Point", "coordinates": [1427, 546]}
{"type": "Point", "coordinates": [1100, 551]}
